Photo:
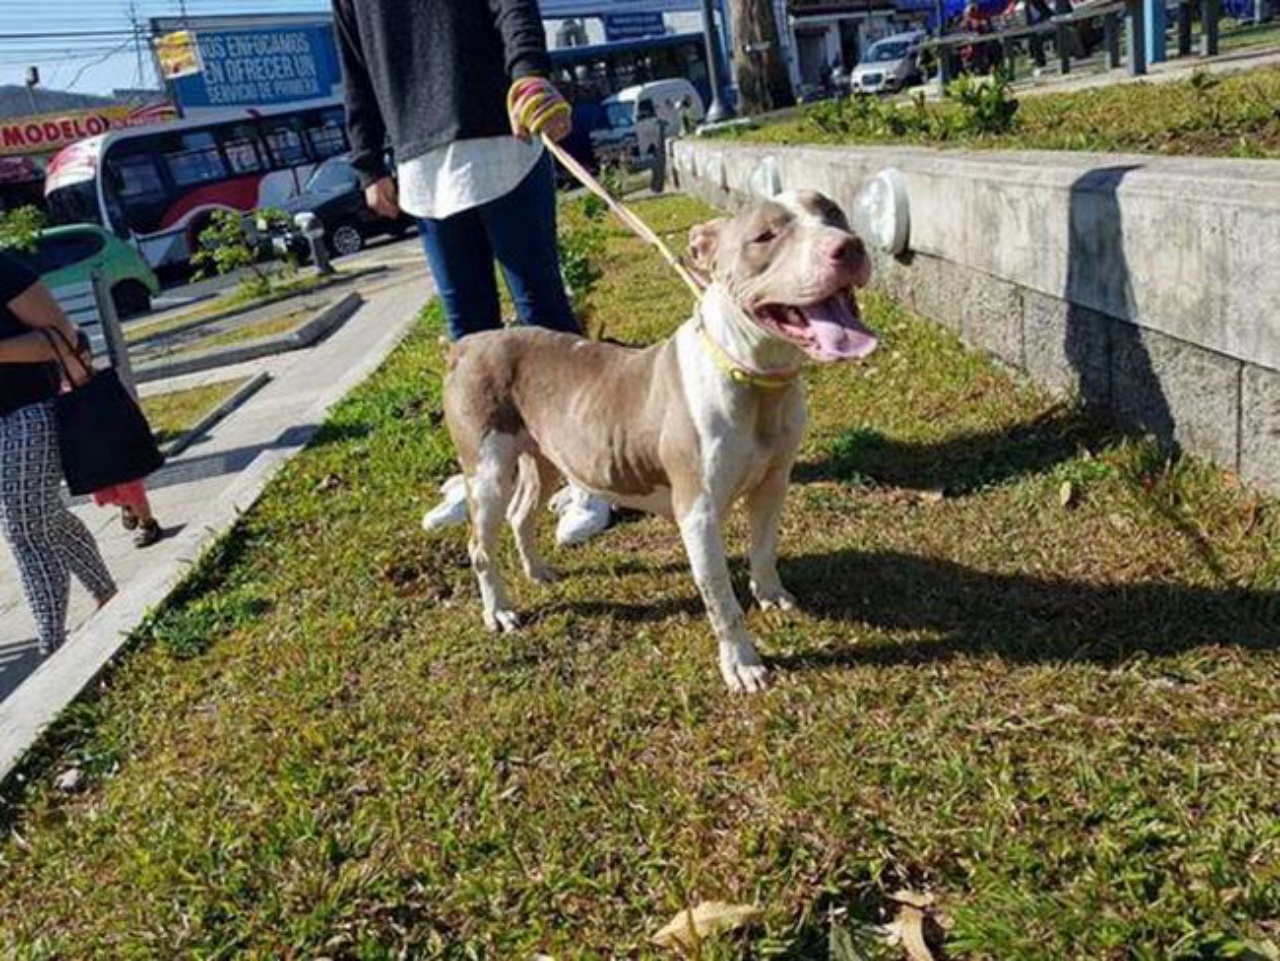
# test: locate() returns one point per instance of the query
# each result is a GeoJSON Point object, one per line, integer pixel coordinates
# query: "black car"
{"type": "Point", "coordinates": [333, 194]}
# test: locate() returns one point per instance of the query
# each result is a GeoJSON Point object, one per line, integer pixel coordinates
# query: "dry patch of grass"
{"type": "Point", "coordinates": [171, 414]}
{"type": "Point", "coordinates": [1060, 721]}
{"type": "Point", "coordinates": [238, 334]}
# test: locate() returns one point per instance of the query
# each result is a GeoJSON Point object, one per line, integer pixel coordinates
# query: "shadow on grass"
{"type": "Point", "coordinates": [959, 464]}
{"type": "Point", "coordinates": [1017, 617]}
{"type": "Point", "coordinates": [660, 609]}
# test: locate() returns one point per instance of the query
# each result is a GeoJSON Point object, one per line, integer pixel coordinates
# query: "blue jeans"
{"type": "Point", "coordinates": [519, 231]}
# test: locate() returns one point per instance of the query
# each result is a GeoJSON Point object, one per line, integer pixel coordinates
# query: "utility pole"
{"type": "Point", "coordinates": [32, 81]}
{"type": "Point", "coordinates": [764, 82]}
{"type": "Point", "coordinates": [718, 111]}
{"type": "Point", "coordinates": [137, 44]}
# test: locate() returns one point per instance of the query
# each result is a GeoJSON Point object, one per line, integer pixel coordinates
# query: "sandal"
{"type": "Point", "coordinates": [128, 519]}
{"type": "Point", "coordinates": [148, 534]}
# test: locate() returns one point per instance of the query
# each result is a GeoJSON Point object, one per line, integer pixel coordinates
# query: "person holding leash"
{"type": "Point", "coordinates": [49, 542]}
{"type": "Point", "coordinates": [458, 90]}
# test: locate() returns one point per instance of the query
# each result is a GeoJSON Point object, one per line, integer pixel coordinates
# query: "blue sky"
{"type": "Point", "coordinates": [108, 60]}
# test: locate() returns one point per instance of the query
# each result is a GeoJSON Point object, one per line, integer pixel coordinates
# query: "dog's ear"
{"type": "Point", "coordinates": [704, 240]}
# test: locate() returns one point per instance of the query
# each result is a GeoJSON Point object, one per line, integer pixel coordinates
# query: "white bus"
{"type": "Point", "coordinates": [157, 186]}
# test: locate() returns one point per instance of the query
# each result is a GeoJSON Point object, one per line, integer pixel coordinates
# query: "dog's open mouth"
{"type": "Point", "coordinates": [827, 331]}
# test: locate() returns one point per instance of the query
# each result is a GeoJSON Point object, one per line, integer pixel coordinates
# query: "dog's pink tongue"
{"type": "Point", "coordinates": [837, 332]}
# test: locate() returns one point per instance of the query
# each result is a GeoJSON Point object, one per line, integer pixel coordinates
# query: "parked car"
{"type": "Point", "coordinates": [71, 255]}
{"type": "Point", "coordinates": [333, 194]}
{"type": "Point", "coordinates": [635, 113]}
{"type": "Point", "coordinates": [889, 64]}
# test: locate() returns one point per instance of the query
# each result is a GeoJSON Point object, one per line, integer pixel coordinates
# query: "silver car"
{"type": "Point", "coordinates": [888, 65]}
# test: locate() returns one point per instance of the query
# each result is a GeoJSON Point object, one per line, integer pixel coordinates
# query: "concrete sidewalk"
{"type": "Point", "coordinates": [186, 493]}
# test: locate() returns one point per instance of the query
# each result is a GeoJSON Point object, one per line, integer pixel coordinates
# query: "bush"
{"type": "Point", "coordinates": [580, 249]}
{"type": "Point", "coordinates": [226, 246]}
{"type": "Point", "coordinates": [987, 104]}
{"type": "Point", "coordinates": [982, 106]}
{"type": "Point", "coordinates": [872, 117]}
{"type": "Point", "coordinates": [20, 227]}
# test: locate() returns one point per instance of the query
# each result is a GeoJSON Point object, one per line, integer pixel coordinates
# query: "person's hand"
{"type": "Point", "coordinates": [76, 362]}
{"type": "Point", "coordinates": [536, 109]}
{"type": "Point", "coordinates": [383, 198]}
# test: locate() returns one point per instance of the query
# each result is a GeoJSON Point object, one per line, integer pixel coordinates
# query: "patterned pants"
{"type": "Point", "coordinates": [49, 542]}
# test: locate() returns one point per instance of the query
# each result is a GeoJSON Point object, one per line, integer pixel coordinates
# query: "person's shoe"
{"type": "Point", "coordinates": [452, 509]}
{"type": "Point", "coordinates": [149, 532]}
{"type": "Point", "coordinates": [128, 519]}
{"type": "Point", "coordinates": [582, 515]}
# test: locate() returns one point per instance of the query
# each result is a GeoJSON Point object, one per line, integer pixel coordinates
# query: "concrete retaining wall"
{"type": "Point", "coordinates": [1151, 286]}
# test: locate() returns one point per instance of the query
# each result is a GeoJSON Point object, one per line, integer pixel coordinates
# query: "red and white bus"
{"type": "Point", "coordinates": [157, 186]}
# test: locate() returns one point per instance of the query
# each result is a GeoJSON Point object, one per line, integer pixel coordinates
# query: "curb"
{"type": "Point", "coordinates": [302, 336]}
{"type": "Point", "coordinates": [41, 698]}
{"type": "Point", "coordinates": [270, 301]}
{"type": "Point", "coordinates": [238, 397]}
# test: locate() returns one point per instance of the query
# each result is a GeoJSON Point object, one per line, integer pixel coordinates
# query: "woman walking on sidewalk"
{"type": "Point", "coordinates": [49, 542]}
{"type": "Point", "coordinates": [458, 90]}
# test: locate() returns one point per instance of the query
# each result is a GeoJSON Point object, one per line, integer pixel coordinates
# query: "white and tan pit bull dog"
{"type": "Point", "coordinates": [685, 428]}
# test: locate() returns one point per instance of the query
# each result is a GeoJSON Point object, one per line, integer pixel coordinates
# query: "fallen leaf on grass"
{"type": "Point", "coordinates": [907, 929]}
{"type": "Point", "coordinates": [330, 482]}
{"type": "Point", "coordinates": [1066, 493]}
{"type": "Point", "coordinates": [688, 928]}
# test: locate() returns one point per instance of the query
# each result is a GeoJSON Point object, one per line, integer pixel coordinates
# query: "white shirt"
{"type": "Point", "coordinates": [464, 174]}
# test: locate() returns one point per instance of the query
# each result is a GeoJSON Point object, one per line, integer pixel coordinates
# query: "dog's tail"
{"type": "Point", "coordinates": [528, 492]}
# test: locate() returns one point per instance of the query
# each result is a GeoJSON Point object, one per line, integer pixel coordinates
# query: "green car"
{"type": "Point", "coordinates": [70, 255]}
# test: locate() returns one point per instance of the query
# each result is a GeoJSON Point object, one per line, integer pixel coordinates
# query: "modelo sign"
{"type": "Point", "coordinates": [49, 133]}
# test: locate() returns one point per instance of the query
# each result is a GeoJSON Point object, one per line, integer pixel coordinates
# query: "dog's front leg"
{"type": "Point", "coordinates": [740, 664]}
{"type": "Point", "coordinates": [764, 513]}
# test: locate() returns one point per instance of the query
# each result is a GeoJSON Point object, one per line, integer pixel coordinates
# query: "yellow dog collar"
{"type": "Point", "coordinates": [740, 373]}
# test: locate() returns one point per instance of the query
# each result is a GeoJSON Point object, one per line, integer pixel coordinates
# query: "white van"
{"type": "Point", "coordinates": [634, 114]}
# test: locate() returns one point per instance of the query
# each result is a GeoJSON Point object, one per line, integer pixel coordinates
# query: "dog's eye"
{"type": "Point", "coordinates": [765, 238]}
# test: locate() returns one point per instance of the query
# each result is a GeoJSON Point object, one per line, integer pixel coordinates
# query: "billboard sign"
{"type": "Point", "coordinates": [177, 55]}
{"type": "Point", "coordinates": [632, 26]}
{"type": "Point", "coordinates": [50, 132]}
{"type": "Point", "coordinates": [255, 66]}
{"type": "Point", "coordinates": [558, 9]}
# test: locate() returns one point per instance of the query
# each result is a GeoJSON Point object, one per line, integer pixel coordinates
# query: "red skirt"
{"type": "Point", "coordinates": [132, 494]}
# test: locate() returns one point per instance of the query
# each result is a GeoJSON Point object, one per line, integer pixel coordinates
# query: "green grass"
{"type": "Point", "coordinates": [1241, 36]}
{"type": "Point", "coordinates": [1061, 721]}
{"type": "Point", "coordinates": [1231, 116]}
{"type": "Point", "coordinates": [171, 414]}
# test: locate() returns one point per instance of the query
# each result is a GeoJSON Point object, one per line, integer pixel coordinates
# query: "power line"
{"type": "Point", "coordinates": [89, 66]}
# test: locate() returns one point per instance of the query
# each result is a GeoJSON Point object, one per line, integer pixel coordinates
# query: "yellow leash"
{"type": "Point", "coordinates": [735, 371]}
{"type": "Point", "coordinates": [637, 226]}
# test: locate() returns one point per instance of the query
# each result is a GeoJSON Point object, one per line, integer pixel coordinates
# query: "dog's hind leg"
{"type": "Point", "coordinates": [489, 490]}
{"type": "Point", "coordinates": [535, 481]}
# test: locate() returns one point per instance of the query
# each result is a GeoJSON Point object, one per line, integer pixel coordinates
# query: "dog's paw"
{"type": "Point", "coordinates": [542, 574]}
{"type": "Point", "coordinates": [502, 621]}
{"type": "Point", "coordinates": [742, 669]}
{"type": "Point", "coordinates": [775, 598]}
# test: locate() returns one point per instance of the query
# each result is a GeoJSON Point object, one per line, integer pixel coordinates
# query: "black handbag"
{"type": "Point", "coordinates": [103, 436]}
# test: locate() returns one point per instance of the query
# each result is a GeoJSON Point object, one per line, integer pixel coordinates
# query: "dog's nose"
{"type": "Point", "coordinates": [846, 250]}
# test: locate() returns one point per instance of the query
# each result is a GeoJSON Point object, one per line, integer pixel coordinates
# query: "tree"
{"type": "Point", "coordinates": [20, 228]}
{"type": "Point", "coordinates": [758, 64]}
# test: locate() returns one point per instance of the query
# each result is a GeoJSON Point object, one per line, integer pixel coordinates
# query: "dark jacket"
{"type": "Point", "coordinates": [20, 384]}
{"type": "Point", "coordinates": [421, 74]}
